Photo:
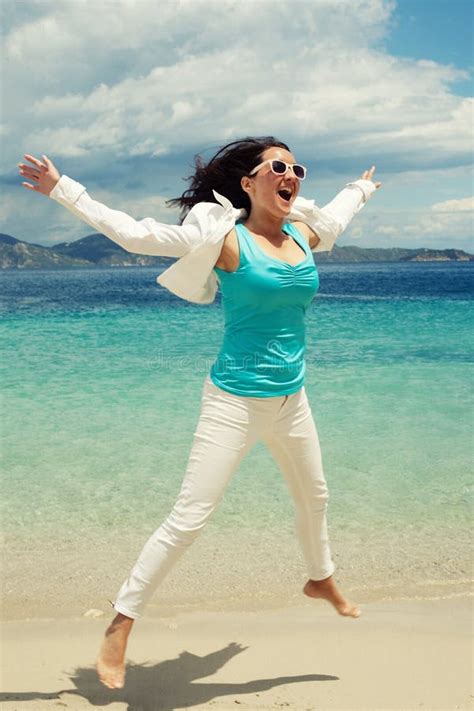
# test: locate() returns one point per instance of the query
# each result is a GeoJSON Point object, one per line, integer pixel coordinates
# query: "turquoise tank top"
{"type": "Point", "coordinates": [264, 300]}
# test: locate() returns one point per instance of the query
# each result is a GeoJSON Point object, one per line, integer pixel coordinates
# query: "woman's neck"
{"type": "Point", "coordinates": [266, 225]}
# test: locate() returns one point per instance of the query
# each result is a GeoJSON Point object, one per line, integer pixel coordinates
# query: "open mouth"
{"type": "Point", "coordinates": [285, 194]}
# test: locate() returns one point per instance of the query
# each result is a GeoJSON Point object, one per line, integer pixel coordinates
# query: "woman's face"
{"type": "Point", "coordinates": [264, 186]}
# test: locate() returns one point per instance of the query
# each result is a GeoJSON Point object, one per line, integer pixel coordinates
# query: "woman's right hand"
{"type": "Point", "coordinates": [45, 174]}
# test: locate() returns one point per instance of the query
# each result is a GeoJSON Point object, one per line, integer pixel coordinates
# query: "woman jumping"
{"type": "Point", "coordinates": [246, 230]}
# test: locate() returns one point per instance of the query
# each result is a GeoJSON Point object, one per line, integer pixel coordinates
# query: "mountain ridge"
{"type": "Point", "coordinates": [97, 250]}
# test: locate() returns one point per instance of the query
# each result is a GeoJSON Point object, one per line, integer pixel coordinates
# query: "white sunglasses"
{"type": "Point", "coordinates": [279, 167]}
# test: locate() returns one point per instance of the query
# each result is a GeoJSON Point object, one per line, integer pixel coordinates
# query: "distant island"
{"type": "Point", "coordinates": [98, 251]}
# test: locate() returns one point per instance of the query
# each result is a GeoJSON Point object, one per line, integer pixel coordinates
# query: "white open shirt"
{"type": "Point", "coordinates": [198, 241]}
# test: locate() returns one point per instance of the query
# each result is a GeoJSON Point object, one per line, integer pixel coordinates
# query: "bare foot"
{"type": "Point", "coordinates": [110, 664]}
{"type": "Point", "coordinates": [327, 589]}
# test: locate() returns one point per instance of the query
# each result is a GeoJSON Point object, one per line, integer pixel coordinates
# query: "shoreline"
{"type": "Point", "coordinates": [397, 655]}
{"type": "Point", "coordinates": [164, 608]}
{"type": "Point", "coordinates": [248, 573]}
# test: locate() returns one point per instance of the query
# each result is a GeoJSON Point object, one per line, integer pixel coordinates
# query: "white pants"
{"type": "Point", "coordinates": [228, 427]}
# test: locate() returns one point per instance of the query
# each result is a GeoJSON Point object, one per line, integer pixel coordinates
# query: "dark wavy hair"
{"type": "Point", "coordinates": [223, 173]}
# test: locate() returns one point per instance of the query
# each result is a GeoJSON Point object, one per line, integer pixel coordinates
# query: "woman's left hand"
{"type": "Point", "coordinates": [367, 175]}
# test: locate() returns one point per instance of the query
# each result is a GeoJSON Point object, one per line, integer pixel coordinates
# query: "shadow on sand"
{"type": "Point", "coordinates": [165, 686]}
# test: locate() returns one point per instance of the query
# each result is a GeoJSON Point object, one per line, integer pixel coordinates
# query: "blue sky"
{"type": "Point", "coordinates": [437, 30]}
{"type": "Point", "coordinates": [122, 94]}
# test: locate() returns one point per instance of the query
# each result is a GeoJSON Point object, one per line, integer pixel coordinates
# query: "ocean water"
{"type": "Point", "coordinates": [102, 372]}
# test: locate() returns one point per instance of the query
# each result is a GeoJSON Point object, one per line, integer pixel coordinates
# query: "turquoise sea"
{"type": "Point", "coordinates": [102, 372]}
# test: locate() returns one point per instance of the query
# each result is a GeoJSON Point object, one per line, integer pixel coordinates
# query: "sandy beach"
{"type": "Point", "coordinates": [106, 450]}
{"type": "Point", "coordinates": [409, 654]}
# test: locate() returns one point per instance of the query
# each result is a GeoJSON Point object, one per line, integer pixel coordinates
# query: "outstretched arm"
{"type": "Point", "coordinates": [325, 224]}
{"type": "Point", "coordinates": [145, 236]}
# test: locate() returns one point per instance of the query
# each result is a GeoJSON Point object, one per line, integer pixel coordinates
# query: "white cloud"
{"type": "Point", "coordinates": [412, 228]}
{"type": "Point", "coordinates": [461, 205]}
{"type": "Point", "coordinates": [389, 230]}
{"type": "Point", "coordinates": [193, 101]}
{"type": "Point", "coordinates": [443, 223]}
{"type": "Point", "coordinates": [129, 79]}
{"type": "Point", "coordinates": [196, 72]}
{"type": "Point", "coordinates": [185, 27]}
